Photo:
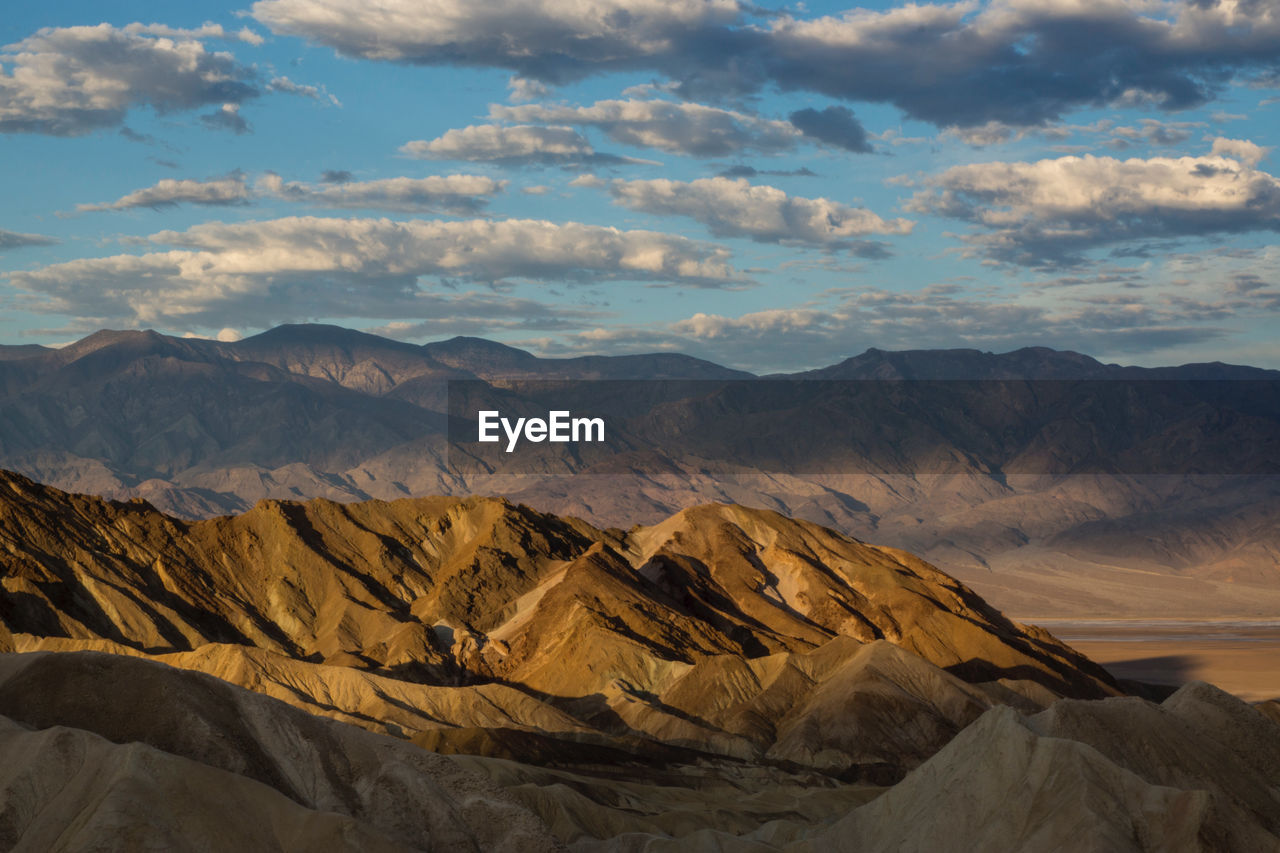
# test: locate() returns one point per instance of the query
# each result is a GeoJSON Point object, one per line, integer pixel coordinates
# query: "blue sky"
{"type": "Point", "coordinates": [769, 189]}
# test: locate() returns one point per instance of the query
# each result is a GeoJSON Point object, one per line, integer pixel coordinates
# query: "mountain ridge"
{"type": "Point", "coordinates": [471, 673]}
{"type": "Point", "coordinates": [204, 428]}
{"type": "Point", "coordinates": [957, 363]}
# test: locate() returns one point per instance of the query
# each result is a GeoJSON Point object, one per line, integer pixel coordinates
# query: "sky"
{"type": "Point", "coordinates": [770, 187]}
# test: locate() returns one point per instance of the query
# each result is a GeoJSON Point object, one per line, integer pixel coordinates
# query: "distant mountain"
{"type": "Point", "coordinates": [1042, 477]}
{"type": "Point", "coordinates": [967, 364]}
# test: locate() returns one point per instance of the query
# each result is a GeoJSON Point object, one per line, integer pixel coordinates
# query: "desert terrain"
{"type": "Point", "coordinates": [1054, 484]}
{"type": "Point", "coordinates": [471, 673]}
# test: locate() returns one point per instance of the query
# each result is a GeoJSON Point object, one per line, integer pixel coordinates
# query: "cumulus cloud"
{"type": "Point", "coordinates": [227, 117]}
{"type": "Point", "coordinates": [835, 126]}
{"type": "Point", "coordinates": [75, 80]}
{"type": "Point", "coordinates": [232, 189]}
{"type": "Point", "coordinates": [1021, 62]}
{"type": "Point", "coordinates": [1249, 153]}
{"type": "Point", "coordinates": [678, 128]}
{"type": "Point", "coordinates": [523, 89]}
{"type": "Point", "coordinates": [1106, 132]}
{"type": "Point", "coordinates": [1051, 211]}
{"type": "Point", "coordinates": [736, 208]}
{"type": "Point", "coordinates": [18, 240]}
{"type": "Point", "coordinates": [521, 145]}
{"type": "Point", "coordinates": [284, 270]}
{"type": "Point", "coordinates": [207, 30]}
{"type": "Point", "coordinates": [550, 40]}
{"type": "Point", "coordinates": [453, 194]}
{"type": "Point", "coordinates": [302, 90]}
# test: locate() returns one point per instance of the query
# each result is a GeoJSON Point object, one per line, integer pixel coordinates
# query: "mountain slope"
{"type": "Point", "coordinates": [1020, 471]}
{"type": "Point", "coordinates": [197, 747]}
{"type": "Point", "coordinates": [726, 680]}
{"type": "Point", "coordinates": [724, 630]}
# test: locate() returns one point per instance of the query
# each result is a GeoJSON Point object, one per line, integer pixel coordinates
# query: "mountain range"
{"type": "Point", "coordinates": [474, 674]}
{"type": "Point", "coordinates": [1055, 484]}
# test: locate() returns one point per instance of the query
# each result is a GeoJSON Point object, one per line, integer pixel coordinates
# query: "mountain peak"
{"type": "Point", "coordinates": [963, 364]}
{"type": "Point", "coordinates": [318, 334]}
{"type": "Point", "coordinates": [464, 346]}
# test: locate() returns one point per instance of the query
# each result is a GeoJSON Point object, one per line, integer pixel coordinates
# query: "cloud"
{"type": "Point", "coordinates": [741, 170]}
{"type": "Point", "coordinates": [1241, 149]}
{"type": "Point", "coordinates": [486, 314]}
{"type": "Point", "coordinates": [227, 117]}
{"type": "Point", "coordinates": [835, 126]}
{"type": "Point", "coordinates": [1148, 131]}
{"type": "Point", "coordinates": [205, 31]}
{"type": "Point", "coordinates": [286, 270]}
{"type": "Point", "coordinates": [218, 192]}
{"type": "Point", "coordinates": [678, 128]}
{"type": "Point", "coordinates": [1021, 62]}
{"type": "Point", "coordinates": [1051, 211]}
{"type": "Point", "coordinates": [75, 80]}
{"type": "Point", "coordinates": [551, 40]}
{"type": "Point", "coordinates": [521, 145]}
{"type": "Point", "coordinates": [523, 89]}
{"type": "Point", "coordinates": [736, 208]}
{"type": "Point", "coordinates": [1024, 62]}
{"type": "Point", "coordinates": [452, 194]}
{"type": "Point", "coordinates": [289, 87]}
{"type": "Point", "coordinates": [16, 240]}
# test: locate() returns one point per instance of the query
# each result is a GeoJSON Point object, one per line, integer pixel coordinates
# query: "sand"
{"type": "Point", "coordinates": [1242, 657]}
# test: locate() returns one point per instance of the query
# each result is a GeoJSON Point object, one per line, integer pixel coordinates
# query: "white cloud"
{"type": "Point", "coordinates": [75, 80]}
{"type": "Point", "coordinates": [518, 145]}
{"type": "Point", "coordinates": [736, 208]}
{"type": "Point", "coordinates": [286, 270]}
{"type": "Point", "coordinates": [206, 30]}
{"type": "Point", "coordinates": [1049, 211]}
{"type": "Point", "coordinates": [503, 32]}
{"type": "Point", "coordinates": [219, 192]}
{"type": "Point", "coordinates": [679, 128]}
{"type": "Point", "coordinates": [523, 89]}
{"type": "Point", "coordinates": [1243, 150]}
{"type": "Point", "coordinates": [316, 93]}
{"type": "Point", "coordinates": [453, 194]}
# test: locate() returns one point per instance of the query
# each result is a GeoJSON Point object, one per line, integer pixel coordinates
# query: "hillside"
{"type": "Point", "coordinates": [1022, 472]}
{"type": "Point", "coordinates": [726, 679]}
